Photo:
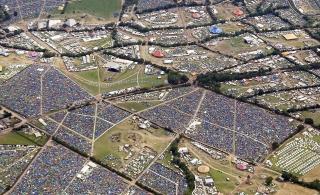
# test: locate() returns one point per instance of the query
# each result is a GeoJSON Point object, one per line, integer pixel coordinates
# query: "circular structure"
{"type": "Point", "coordinates": [203, 169]}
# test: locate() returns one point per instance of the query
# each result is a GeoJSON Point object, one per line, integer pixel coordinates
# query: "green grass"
{"type": "Point", "coordinates": [105, 43]}
{"type": "Point", "coordinates": [314, 115]}
{"type": "Point", "coordinates": [221, 183]}
{"type": "Point", "coordinates": [94, 90]}
{"type": "Point", "coordinates": [15, 138]}
{"type": "Point", "coordinates": [98, 8]}
{"type": "Point", "coordinates": [91, 75]}
{"type": "Point", "coordinates": [157, 139]}
{"type": "Point", "coordinates": [119, 81]}
{"type": "Point", "coordinates": [137, 106]}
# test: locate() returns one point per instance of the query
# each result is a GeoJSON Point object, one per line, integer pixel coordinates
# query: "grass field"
{"type": "Point", "coordinates": [314, 115]}
{"type": "Point", "coordinates": [15, 138]}
{"type": "Point", "coordinates": [220, 180]}
{"type": "Point", "coordinates": [291, 189]}
{"type": "Point", "coordinates": [111, 81]}
{"type": "Point", "coordinates": [236, 46]}
{"type": "Point", "coordinates": [128, 132]}
{"type": "Point", "coordinates": [312, 175]}
{"type": "Point", "coordinates": [91, 75]}
{"type": "Point", "coordinates": [98, 8]}
{"type": "Point", "coordinates": [138, 106]}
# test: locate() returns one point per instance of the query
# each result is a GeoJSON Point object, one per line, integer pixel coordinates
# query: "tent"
{"type": "Point", "coordinates": [215, 30]}
{"type": "Point", "coordinates": [158, 54]}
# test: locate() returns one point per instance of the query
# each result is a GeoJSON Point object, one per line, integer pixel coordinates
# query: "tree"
{"type": "Point", "coordinates": [300, 127]}
{"type": "Point", "coordinates": [269, 181]}
{"type": "Point", "coordinates": [275, 145]}
{"type": "Point", "coordinates": [308, 121]}
{"type": "Point", "coordinates": [175, 78]}
{"type": "Point", "coordinates": [48, 54]}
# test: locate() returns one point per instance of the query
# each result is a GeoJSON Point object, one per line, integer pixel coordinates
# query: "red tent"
{"type": "Point", "coordinates": [196, 15]}
{"type": "Point", "coordinates": [238, 12]}
{"type": "Point", "coordinates": [158, 54]}
{"type": "Point", "coordinates": [241, 166]}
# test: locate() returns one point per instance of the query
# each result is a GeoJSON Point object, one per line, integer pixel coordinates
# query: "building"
{"type": "Point", "coordinates": [53, 23]}
{"type": "Point", "coordinates": [183, 150]}
{"type": "Point", "coordinates": [42, 25]}
{"type": "Point", "coordinates": [208, 181]}
{"type": "Point", "coordinates": [70, 22]}
{"type": "Point", "coordinates": [1, 68]}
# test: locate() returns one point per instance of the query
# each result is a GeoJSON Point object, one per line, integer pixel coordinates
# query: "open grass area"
{"type": "Point", "coordinates": [107, 147]}
{"type": "Point", "coordinates": [315, 115]}
{"type": "Point", "coordinates": [98, 8]}
{"type": "Point", "coordinates": [220, 180]}
{"type": "Point", "coordinates": [15, 138]}
{"type": "Point", "coordinates": [138, 106]}
{"type": "Point", "coordinates": [236, 46]}
{"type": "Point", "coordinates": [288, 188]}
{"type": "Point", "coordinates": [91, 75]}
{"type": "Point", "coordinates": [111, 81]}
{"type": "Point", "coordinates": [92, 88]}
{"type": "Point", "coordinates": [15, 59]}
{"type": "Point", "coordinates": [104, 43]}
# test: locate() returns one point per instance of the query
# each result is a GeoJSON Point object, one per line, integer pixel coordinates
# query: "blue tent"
{"type": "Point", "coordinates": [215, 30]}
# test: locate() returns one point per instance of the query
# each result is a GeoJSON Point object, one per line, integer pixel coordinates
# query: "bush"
{"type": "Point", "coordinates": [175, 78]}
{"type": "Point", "coordinates": [269, 181]}
{"type": "Point", "coordinates": [308, 121]}
{"type": "Point", "coordinates": [275, 145]}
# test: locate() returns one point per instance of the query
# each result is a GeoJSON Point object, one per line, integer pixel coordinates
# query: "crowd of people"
{"type": "Point", "coordinates": [51, 172]}
{"type": "Point", "coordinates": [261, 125]}
{"type": "Point", "coordinates": [188, 103]}
{"type": "Point", "coordinates": [14, 159]}
{"type": "Point", "coordinates": [167, 117]}
{"type": "Point", "coordinates": [49, 125]}
{"type": "Point", "coordinates": [58, 116]}
{"type": "Point", "coordinates": [176, 92]}
{"type": "Point", "coordinates": [74, 140]}
{"type": "Point", "coordinates": [24, 93]}
{"type": "Point", "coordinates": [249, 149]}
{"type": "Point", "coordinates": [214, 136]}
{"type": "Point", "coordinates": [85, 110]}
{"type": "Point", "coordinates": [134, 190]}
{"type": "Point", "coordinates": [98, 181]}
{"type": "Point", "coordinates": [222, 121]}
{"type": "Point", "coordinates": [53, 4]}
{"type": "Point", "coordinates": [28, 9]}
{"type": "Point", "coordinates": [100, 127]}
{"type": "Point", "coordinates": [144, 5]}
{"type": "Point", "coordinates": [59, 170]}
{"type": "Point", "coordinates": [82, 124]}
{"type": "Point", "coordinates": [164, 180]}
{"type": "Point", "coordinates": [217, 109]}
{"type": "Point", "coordinates": [111, 113]}
{"type": "Point", "coordinates": [65, 91]}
